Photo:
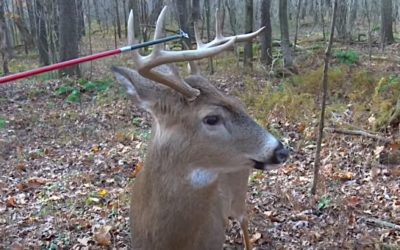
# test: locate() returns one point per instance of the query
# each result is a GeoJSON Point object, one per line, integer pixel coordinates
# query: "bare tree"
{"type": "Point", "coordinates": [324, 96]}
{"type": "Point", "coordinates": [4, 40]}
{"type": "Point", "coordinates": [368, 15]}
{"type": "Point", "coordinates": [81, 20]}
{"type": "Point", "coordinates": [183, 11]}
{"type": "Point", "coordinates": [386, 22]}
{"type": "Point", "coordinates": [31, 15]}
{"type": "Point", "coordinates": [352, 17]}
{"type": "Point", "coordinates": [266, 36]}
{"type": "Point", "coordinates": [207, 7]}
{"type": "Point", "coordinates": [117, 18]}
{"type": "Point", "coordinates": [41, 32]}
{"type": "Point", "coordinates": [248, 47]}
{"type": "Point", "coordinates": [232, 12]}
{"type": "Point", "coordinates": [285, 42]}
{"type": "Point", "coordinates": [297, 24]}
{"type": "Point", "coordinates": [69, 35]}
{"type": "Point", "coordinates": [341, 23]}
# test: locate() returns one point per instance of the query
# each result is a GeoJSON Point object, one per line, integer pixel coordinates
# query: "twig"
{"type": "Point", "coordinates": [358, 133]}
{"type": "Point", "coordinates": [323, 104]}
{"type": "Point", "coordinates": [382, 223]}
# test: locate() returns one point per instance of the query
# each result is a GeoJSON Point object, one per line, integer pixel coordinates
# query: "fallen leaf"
{"type": "Point", "coordinates": [289, 169]}
{"type": "Point", "coordinates": [37, 181]}
{"type": "Point", "coordinates": [343, 176]}
{"type": "Point", "coordinates": [137, 170]}
{"type": "Point", "coordinates": [378, 150]}
{"type": "Point", "coordinates": [301, 127]}
{"type": "Point", "coordinates": [22, 186]}
{"type": "Point", "coordinates": [393, 146]}
{"type": "Point", "coordinates": [11, 202]}
{"type": "Point", "coordinates": [395, 171]}
{"type": "Point", "coordinates": [84, 241]}
{"type": "Point", "coordinates": [103, 193]}
{"type": "Point", "coordinates": [255, 237]}
{"type": "Point", "coordinates": [353, 201]}
{"type": "Point", "coordinates": [102, 236]}
{"type": "Point", "coordinates": [96, 148]}
{"type": "Point", "coordinates": [20, 167]}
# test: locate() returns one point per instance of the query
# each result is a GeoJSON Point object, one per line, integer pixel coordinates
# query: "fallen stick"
{"type": "Point", "coordinates": [382, 223]}
{"type": "Point", "coordinates": [358, 133]}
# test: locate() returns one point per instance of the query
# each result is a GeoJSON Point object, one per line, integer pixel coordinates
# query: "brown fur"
{"type": "Point", "coordinates": [167, 211]}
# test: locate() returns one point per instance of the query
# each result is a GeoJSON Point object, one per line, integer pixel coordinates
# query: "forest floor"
{"type": "Point", "coordinates": [68, 158]}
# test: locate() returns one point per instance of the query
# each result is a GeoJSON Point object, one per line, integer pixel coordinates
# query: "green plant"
{"type": "Point", "coordinates": [323, 203]}
{"type": "Point", "coordinates": [391, 84]}
{"type": "Point", "coordinates": [3, 123]}
{"type": "Point", "coordinates": [74, 93]}
{"type": "Point", "coordinates": [347, 56]}
{"type": "Point", "coordinates": [95, 86]}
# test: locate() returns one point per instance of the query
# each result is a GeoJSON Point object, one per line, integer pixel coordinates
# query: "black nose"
{"type": "Point", "coordinates": [280, 154]}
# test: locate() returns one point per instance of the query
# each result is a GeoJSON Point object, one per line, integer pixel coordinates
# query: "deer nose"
{"type": "Point", "coordinates": [281, 154]}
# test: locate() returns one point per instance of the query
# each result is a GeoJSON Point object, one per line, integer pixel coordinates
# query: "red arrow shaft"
{"type": "Point", "coordinates": [58, 66]}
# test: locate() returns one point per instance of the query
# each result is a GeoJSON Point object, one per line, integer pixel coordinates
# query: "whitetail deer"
{"type": "Point", "coordinates": [203, 146]}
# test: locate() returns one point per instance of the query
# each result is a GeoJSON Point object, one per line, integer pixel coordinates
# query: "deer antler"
{"type": "Point", "coordinates": [219, 38]}
{"type": "Point", "coordinates": [146, 64]}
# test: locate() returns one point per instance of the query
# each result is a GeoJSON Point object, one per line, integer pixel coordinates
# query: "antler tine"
{"type": "Point", "coordinates": [239, 38]}
{"type": "Point", "coordinates": [147, 65]}
{"type": "Point", "coordinates": [197, 36]}
{"type": "Point", "coordinates": [131, 34]}
{"type": "Point", "coordinates": [193, 67]}
{"type": "Point", "coordinates": [158, 33]}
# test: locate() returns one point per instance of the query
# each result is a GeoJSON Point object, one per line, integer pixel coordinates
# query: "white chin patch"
{"type": "Point", "coordinates": [200, 177]}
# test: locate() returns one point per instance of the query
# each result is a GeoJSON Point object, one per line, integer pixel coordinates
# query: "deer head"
{"type": "Point", "coordinates": [202, 125]}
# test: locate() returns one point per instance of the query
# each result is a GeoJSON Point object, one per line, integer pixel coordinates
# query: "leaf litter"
{"type": "Point", "coordinates": [66, 170]}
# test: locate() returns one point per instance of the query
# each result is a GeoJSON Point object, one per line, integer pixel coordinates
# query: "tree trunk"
{"type": "Point", "coordinates": [323, 104]}
{"type": "Point", "coordinates": [353, 13]}
{"type": "Point", "coordinates": [285, 43]}
{"type": "Point", "coordinates": [386, 22]}
{"type": "Point", "coordinates": [31, 15]}
{"type": "Point", "coordinates": [4, 40]}
{"type": "Point", "coordinates": [81, 20]}
{"type": "Point", "coordinates": [183, 11]}
{"type": "Point", "coordinates": [134, 6]}
{"type": "Point", "coordinates": [266, 36]}
{"type": "Point", "coordinates": [118, 20]}
{"type": "Point", "coordinates": [341, 22]}
{"type": "Point", "coordinates": [196, 10]}
{"type": "Point", "coordinates": [41, 32]}
{"type": "Point", "coordinates": [69, 35]}
{"type": "Point", "coordinates": [368, 15]}
{"type": "Point", "coordinates": [297, 24]}
{"type": "Point", "coordinates": [248, 47]}
{"type": "Point", "coordinates": [96, 12]}
{"type": "Point", "coordinates": [208, 21]}
{"type": "Point", "coordinates": [52, 30]}
{"type": "Point", "coordinates": [231, 7]}
{"type": "Point", "coordinates": [125, 10]}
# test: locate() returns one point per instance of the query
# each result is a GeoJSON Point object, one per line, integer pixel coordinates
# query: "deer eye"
{"type": "Point", "coordinates": [211, 120]}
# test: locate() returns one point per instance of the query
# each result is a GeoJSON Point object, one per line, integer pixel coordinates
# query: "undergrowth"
{"type": "Point", "coordinates": [73, 92]}
{"type": "Point", "coordinates": [297, 99]}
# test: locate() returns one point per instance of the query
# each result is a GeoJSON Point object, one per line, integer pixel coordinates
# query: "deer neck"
{"type": "Point", "coordinates": [165, 190]}
{"type": "Point", "coordinates": [167, 162]}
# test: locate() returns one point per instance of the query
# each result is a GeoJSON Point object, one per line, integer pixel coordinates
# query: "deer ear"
{"type": "Point", "coordinates": [143, 91]}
